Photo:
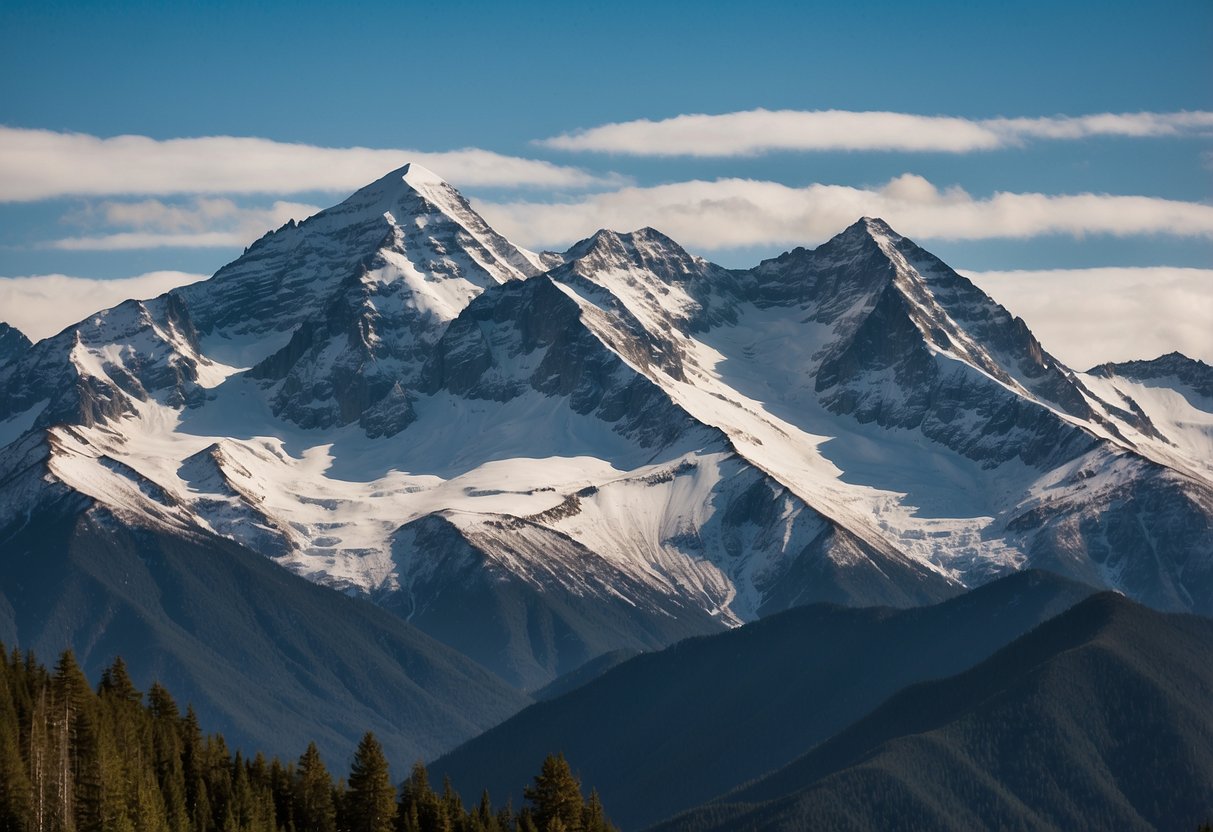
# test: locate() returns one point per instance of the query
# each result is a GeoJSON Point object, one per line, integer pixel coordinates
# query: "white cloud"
{"type": "Point", "coordinates": [731, 213]}
{"type": "Point", "coordinates": [201, 223]}
{"type": "Point", "coordinates": [128, 240]}
{"type": "Point", "coordinates": [758, 131]}
{"type": "Point", "coordinates": [40, 164]}
{"type": "Point", "coordinates": [1089, 316]}
{"type": "Point", "coordinates": [42, 305]}
{"type": "Point", "coordinates": [1131, 125]}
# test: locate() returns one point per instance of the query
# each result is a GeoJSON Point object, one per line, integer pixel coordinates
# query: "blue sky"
{"type": "Point", "coordinates": [503, 78]}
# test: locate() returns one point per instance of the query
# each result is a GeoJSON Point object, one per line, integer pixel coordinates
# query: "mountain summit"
{"type": "Point", "coordinates": [537, 458]}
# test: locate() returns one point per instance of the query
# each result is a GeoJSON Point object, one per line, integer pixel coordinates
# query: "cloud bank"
{"type": "Point", "coordinates": [752, 132]}
{"type": "Point", "coordinates": [42, 164]}
{"type": "Point", "coordinates": [42, 305]}
{"type": "Point", "coordinates": [733, 213]}
{"type": "Point", "coordinates": [201, 223]}
{"type": "Point", "coordinates": [1090, 316]}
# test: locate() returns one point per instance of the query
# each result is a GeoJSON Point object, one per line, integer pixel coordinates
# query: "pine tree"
{"type": "Point", "coordinates": [218, 777]}
{"type": "Point", "coordinates": [483, 819]}
{"type": "Point", "coordinates": [556, 796]}
{"type": "Point", "coordinates": [452, 806]}
{"type": "Point", "coordinates": [371, 801]}
{"type": "Point", "coordinates": [313, 804]}
{"type": "Point", "coordinates": [593, 817]}
{"type": "Point", "coordinates": [38, 755]}
{"type": "Point", "coordinates": [167, 755]}
{"type": "Point", "coordinates": [116, 683]}
{"type": "Point", "coordinates": [124, 747]}
{"type": "Point", "coordinates": [417, 810]}
{"type": "Point", "coordinates": [74, 744]}
{"type": "Point", "coordinates": [282, 787]}
{"type": "Point", "coordinates": [15, 798]}
{"type": "Point", "coordinates": [526, 821]}
{"type": "Point", "coordinates": [242, 807]}
{"type": "Point", "coordinates": [505, 817]}
{"type": "Point", "coordinates": [193, 771]}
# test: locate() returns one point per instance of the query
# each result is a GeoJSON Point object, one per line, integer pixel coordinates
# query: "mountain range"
{"type": "Point", "coordinates": [517, 462]}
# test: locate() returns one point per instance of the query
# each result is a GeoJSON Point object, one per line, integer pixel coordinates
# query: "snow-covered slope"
{"type": "Point", "coordinates": [538, 458]}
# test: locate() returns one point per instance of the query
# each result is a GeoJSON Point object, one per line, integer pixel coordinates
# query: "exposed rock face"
{"type": "Point", "coordinates": [13, 343]}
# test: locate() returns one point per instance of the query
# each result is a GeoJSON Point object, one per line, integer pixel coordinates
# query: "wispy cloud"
{"type": "Point", "coordinates": [42, 305]}
{"type": "Point", "coordinates": [200, 223]}
{"type": "Point", "coordinates": [41, 164]}
{"type": "Point", "coordinates": [731, 213]}
{"type": "Point", "coordinates": [1127, 313]}
{"type": "Point", "coordinates": [759, 131]}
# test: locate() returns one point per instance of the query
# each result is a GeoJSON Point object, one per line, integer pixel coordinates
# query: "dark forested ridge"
{"type": "Point", "coordinates": [584, 674]}
{"type": "Point", "coordinates": [75, 759]}
{"type": "Point", "coordinates": [1101, 718]}
{"type": "Point", "coordinates": [666, 731]}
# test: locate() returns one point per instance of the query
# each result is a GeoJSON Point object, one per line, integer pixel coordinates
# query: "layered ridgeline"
{"type": "Point", "coordinates": [1097, 719]}
{"type": "Point", "coordinates": [667, 731]}
{"type": "Point", "coordinates": [539, 458]}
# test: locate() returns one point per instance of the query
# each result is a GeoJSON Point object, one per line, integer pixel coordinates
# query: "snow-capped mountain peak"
{"type": "Point", "coordinates": [622, 444]}
{"type": "Point", "coordinates": [418, 175]}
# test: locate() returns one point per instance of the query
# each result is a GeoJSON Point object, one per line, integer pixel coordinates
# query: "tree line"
{"type": "Point", "coordinates": [78, 759]}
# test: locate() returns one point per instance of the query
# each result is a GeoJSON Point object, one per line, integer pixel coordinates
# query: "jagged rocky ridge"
{"type": "Point", "coordinates": [540, 457]}
{"type": "Point", "coordinates": [12, 343]}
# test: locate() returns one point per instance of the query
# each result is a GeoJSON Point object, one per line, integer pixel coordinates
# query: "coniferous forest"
{"type": "Point", "coordinates": [78, 759]}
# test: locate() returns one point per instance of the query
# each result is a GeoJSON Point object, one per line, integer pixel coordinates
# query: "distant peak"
{"type": "Point", "coordinates": [644, 248]}
{"type": "Point", "coordinates": [862, 233]}
{"type": "Point", "coordinates": [1169, 361]}
{"type": "Point", "coordinates": [632, 243]}
{"type": "Point", "coordinates": [1192, 372]}
{"type": "Point", "coordinates": [601, 239]}
{"type": "Point", "coordinates": [653, 235]}
{"type": "Point", "coordinates": [869, 227]}
{"type": "Point", "coordinates": [641, 236]}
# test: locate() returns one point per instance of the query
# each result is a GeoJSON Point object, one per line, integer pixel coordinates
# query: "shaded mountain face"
{"type": "Point", "coordinates": [269, 659]}
{"type": "Point", "coordinates": [538, 458]}
{"type": "Point", "coordinates": [664, 732]}
{"type": "Point", "coordinates": [13, 343]}
{"type": "Point", "coordinates": [1098, 719]}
